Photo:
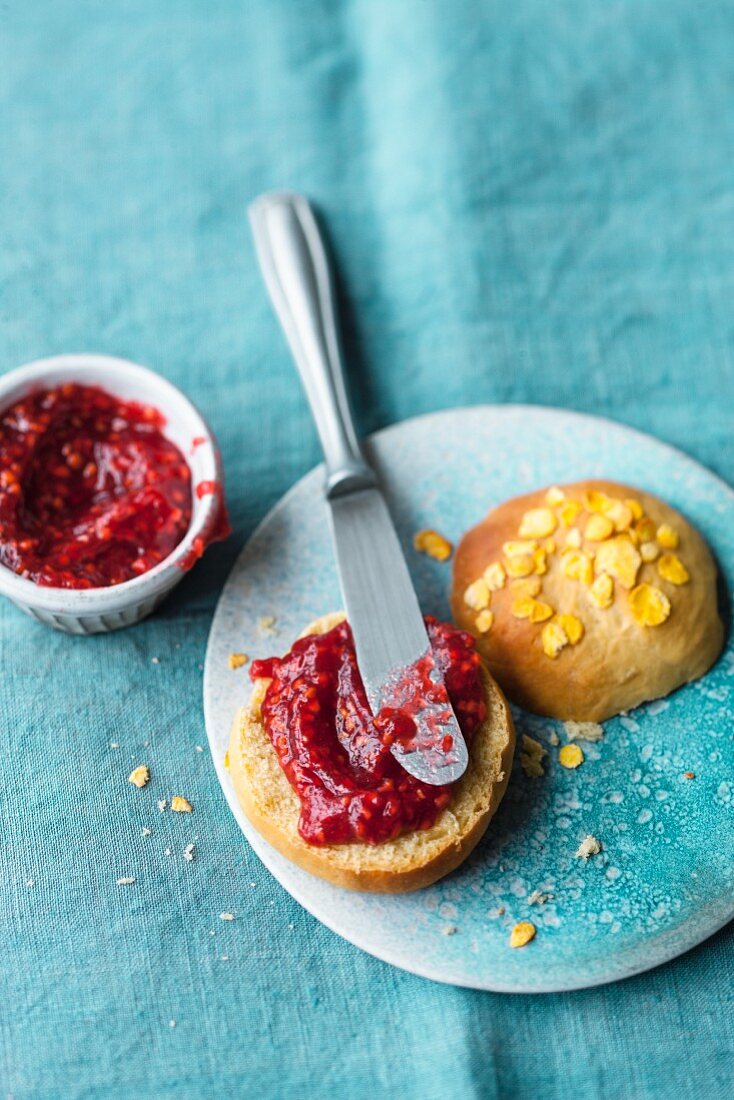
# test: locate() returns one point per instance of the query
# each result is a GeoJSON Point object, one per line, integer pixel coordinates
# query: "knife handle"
{"type": "Point", "coordinates": [296, 272]}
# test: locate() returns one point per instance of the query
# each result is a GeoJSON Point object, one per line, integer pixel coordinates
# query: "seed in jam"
{"type": "Point", "coordinates": [337, 756]}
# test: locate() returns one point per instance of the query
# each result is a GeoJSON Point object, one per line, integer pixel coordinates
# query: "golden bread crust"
{"type": "Point", "coordinates": [618, 663]}
{"type": "Point", "coordinates": [409, 862]}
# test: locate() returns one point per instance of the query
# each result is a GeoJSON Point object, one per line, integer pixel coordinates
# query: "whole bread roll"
{"type": "Point", "coordinates": [410, 861]}
{"type": "Point", "coordinates": [588, 599]}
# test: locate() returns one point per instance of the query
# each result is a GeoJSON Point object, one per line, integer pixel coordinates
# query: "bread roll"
{"type": "Point", "coordinates": [588, 599]}
{"type": "Point", "coordinates": [411, 861]}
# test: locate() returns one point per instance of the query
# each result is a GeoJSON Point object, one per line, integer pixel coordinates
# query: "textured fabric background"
{"type": "Point", "coordinates": [530, 201]}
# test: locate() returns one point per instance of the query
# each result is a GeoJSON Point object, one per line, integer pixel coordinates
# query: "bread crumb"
{"type": "Point", "coordinates": [531, 756]}
{"type": "Point", "coordinates": [167, 852]}
{"type": "Point", "coordinates": [126, 881]}
{"type": "Point", "coordinates": [146, 831]}
{"type": "Point", "coordinates": [30, 882]}
{"type": "Point", "coordinates": [162, 803]}
{"type": "Point", "coordinates": [449, 930]}
{"type": "Point", "coordinates": [188, 853]}
{"type": "Point", "coordinates": [266, 625]}
{"type": "Point", "coordinates": [571, 756]}
{"type": "Point", "coordinates": [226, 916]}
{"type": "Point", "coordinates": [589, 846]}
{"type": "Point", "coordinates": [583, 731]}
{"type": "Point", "coordinates": [155, 660]}
{"type": "Point", "coordinates": [522, 934]}
{"type": "Point", "coordinates": [114, 744]}
{"type": "Point", "coordinates": [171, 1023]}
{"type": "Point", "coordinates": [554, 738]}
{"type": "Point", "coordinates": [199, 748]}
{"type": "Point", "coordinates": [538, 898]}
{"type": "Point", "coordinates": [225, 958]}
{"type": "Point", "coordinates": [139, 776]}
{"type": "Point", "coordinates": [237, 660]}
{"type": "Point", "coordinates": [689, 775]}
{"type": "Point", "coordinates": [181, 805]}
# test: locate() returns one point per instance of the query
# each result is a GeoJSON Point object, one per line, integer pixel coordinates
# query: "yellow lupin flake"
{"type": "Point", "coordinates": [527, 586]}
{"type": "Point", "coordinates": [598, 528]}
{"type": "Point", "coordinates": [495, 576]}
{"type": "Point", "coordinates": [667, 537]}
{"type": "Point", "coordinates": [635, 508]}
{"type": "Point", "coordinates": [649, 606]}
{"type": "Point", "coordinates": [620, 559]}
{"type": "Point", "coordinates": [528, 608]}
{"type": "Point", "coordinates": [646, 529]}
{"type": "Point", "coordinates": [433, 544]}
{"type": "Point", "coordinates": [522, 565]}
{"type": "Point", "coordinates": [540, 562]}
{"type": "Point", "coordinates": [577, 565]}
{"type": "Point", "coordinates": [555, 496]}
{"type": "Point", "coordinates": [596, 501]}
{"type": "Point", "coordinates": [672, 569]}
{"type": "Point", "coordinates": [518, 547]}
{"type": "Point", "coordinates": [619, 514]}
{"type": "Point", "coordinates": [550, 546]}
{"type": "Point", "coordinates": [538, 523]}
{"type": "Point", "coordinates": [571, 756]}
{"type": "Point", "coordinates": [483, 621]}
{"type": "Point", "coordinates": [553, 638]}
{"type": "Point", "coordinates": [237, 660]}
{"type": "Point", "coordinates": [572, 626]}
{"type": "Point", "coordinates": [181, 805]}
{"type": "Point", "coordinates": [602, 591]}
{"type": "Point", "coordinates": [649, 551]}
{"type": "Point", "coordinates": [522, 934]}
{"type": "Point", "coordinates": [568, 512]}
{"type": "Point", "coordinates": [477, 595]}
{"type": "Point", "coordinates": [540, 612]}
{"type": "Point", "coordinates": [573, 538]}
{"type": "Point", "coordinates": [522, 606]}
{"type": "Point", "coordinates": [139, 776]}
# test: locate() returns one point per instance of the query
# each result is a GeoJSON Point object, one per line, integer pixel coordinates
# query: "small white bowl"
{"type": "Point", "coordinates": [97, 610]}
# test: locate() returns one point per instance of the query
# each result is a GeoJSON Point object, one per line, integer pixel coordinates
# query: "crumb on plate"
{"type": "Point", "coordinates": [589, 846]}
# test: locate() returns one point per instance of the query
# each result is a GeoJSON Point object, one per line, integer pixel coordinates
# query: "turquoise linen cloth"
{"type": "Point", "coordinates": [529, 201]}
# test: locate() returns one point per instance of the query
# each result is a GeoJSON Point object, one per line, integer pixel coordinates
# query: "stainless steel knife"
{"type": "Point", "coordinates": [380, 601]}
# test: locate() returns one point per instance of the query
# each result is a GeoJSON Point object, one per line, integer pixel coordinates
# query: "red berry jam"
{"type": "Point", "coordinates": [91, 491]}
{"type": "Point", "coordinates": [336, 755]}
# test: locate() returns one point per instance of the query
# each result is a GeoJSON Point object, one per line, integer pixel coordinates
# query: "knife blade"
{"type": "Point", "coordinates": [393, 649]}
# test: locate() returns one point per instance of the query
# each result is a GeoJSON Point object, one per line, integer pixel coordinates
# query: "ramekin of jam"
{"type": "Point", "coordinates": [110, 490]}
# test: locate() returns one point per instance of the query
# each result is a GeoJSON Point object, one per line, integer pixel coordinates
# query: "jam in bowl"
{"type": "Point", "coordinates": [110, 490]}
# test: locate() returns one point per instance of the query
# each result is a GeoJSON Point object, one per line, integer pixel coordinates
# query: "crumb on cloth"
{"type": "Point", "coordinates": [139, 776]}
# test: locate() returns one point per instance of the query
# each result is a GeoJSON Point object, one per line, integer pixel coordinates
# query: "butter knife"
{"type": "Point", "coordinates": [389, 633]}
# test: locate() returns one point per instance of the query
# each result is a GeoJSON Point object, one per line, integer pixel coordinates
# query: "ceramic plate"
{"type": "Point", "coordinates": [664, 880]}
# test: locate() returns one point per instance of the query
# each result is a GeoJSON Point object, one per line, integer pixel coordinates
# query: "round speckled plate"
{"type": "Point", "coordinates": [665, 878]}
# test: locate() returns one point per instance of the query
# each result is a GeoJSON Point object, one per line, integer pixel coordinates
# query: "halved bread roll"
{"type": "Point", "coordinates": [408, 862]}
